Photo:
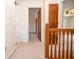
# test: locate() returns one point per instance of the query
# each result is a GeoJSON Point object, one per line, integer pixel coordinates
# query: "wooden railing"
{"type": "Point", "coordinates": [63, 46]}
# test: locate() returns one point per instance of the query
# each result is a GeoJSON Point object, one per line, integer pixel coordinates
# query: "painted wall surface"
{"type": "Point", "coordinates": [21, 23]}
{"type": "Point", "coordinates": [68, 22]}
{"type": "Point", "coordinates": [22, 17]}
{"type": "Point", "coordinates": [10, 27]}
{"type": "Point", "coordinates": [68, 4]}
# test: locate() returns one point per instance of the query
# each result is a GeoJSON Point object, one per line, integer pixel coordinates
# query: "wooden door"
{"type": "Point", "coordinates": [53, 19]}
{"type": "Point", "coordinates": [39, 24]}
{"type": "Point", "coordinates": [53, 15]}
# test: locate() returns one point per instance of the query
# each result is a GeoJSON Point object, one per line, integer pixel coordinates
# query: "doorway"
{"type": "Point", "coordinates": [34, 24]}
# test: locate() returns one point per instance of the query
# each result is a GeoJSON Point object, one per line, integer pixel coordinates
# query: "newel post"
{"type": "Point", "coordinates": [47, 41]}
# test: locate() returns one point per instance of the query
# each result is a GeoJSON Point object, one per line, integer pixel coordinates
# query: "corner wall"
{"type": "Point", "coordinates": [10, 27]}
{"type": "Point", "coordinates": [68, 21]}
{"type": "Point", "coordinates": [22, 17]}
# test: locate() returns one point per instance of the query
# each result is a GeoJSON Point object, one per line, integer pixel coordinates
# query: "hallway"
{"type": "Point", "coordinates": [31, 50]}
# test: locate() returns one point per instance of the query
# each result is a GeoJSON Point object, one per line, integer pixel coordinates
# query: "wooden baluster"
{"type": "Point", "coordinates": [71, 51]}
{"type": "Point", "coordinates": [71, 46]}
{"type": "Point", "coordinates": [59, 51]}
{"type": "Point", "coordinates": [69, 41]}
{"type": "Point", "coordinates": [70, 34]}
{"type": "Point", "coordinates": [55, 45]}
{"type": "Point", "coordinates": [63, 33]}
{"type": "Point", "coordinates": [51, 52]}
{"type": "Point", "coordinates": [67, 54]}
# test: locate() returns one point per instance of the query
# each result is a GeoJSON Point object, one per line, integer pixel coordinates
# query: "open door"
{"type": "Point", "coordinates": [39, 25]}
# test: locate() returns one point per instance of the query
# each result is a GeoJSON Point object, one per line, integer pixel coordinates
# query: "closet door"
{"type": "Point", "coordinates": [53, 15]}
{"type": "Point", "coordinates": [53, 20]}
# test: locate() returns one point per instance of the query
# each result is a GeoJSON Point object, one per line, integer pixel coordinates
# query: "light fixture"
{"type": "Point", "coordinates": [16, 3]}
{"type": "Point", "coordinates": [68, 13]}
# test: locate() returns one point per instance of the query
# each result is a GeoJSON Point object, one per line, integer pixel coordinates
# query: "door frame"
{"type": "Point", "coordinates": [41, 19]}
{"type": "Point", "coordinates": [39, 26]}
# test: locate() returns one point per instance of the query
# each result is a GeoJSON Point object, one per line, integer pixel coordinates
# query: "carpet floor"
{"type": "Point", "coordinates": [30, 50]}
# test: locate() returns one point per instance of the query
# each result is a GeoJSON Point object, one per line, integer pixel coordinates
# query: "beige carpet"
{"type": "Point", "coordinates": [31, 50]}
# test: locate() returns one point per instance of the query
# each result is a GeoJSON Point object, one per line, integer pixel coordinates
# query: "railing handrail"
{"type": "Point", "coordinates": [57, 35]}
{"type": "Point", "coordinates": [61, 29]}
{"type": "Point", "coordinates": [54, 36]}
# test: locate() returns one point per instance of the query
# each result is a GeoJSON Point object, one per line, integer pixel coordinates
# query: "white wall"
{"type": "Point", "coordinates": [68, 4]}
{"type": "Point", "coordinates": [68, 22]}
{"type": "Point", "coordinates": [21, 23]}
{"type": "Point", "coordinates": [22, 17]}
{"type": "Point", "coordinates": [10, 27]}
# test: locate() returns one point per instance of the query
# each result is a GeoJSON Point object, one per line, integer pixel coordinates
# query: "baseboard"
{"type": "Point", "coordinates": [13, 51]}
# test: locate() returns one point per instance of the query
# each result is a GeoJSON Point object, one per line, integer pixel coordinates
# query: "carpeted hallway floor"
{"type": "Point", "coordinates": [31, 50]}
